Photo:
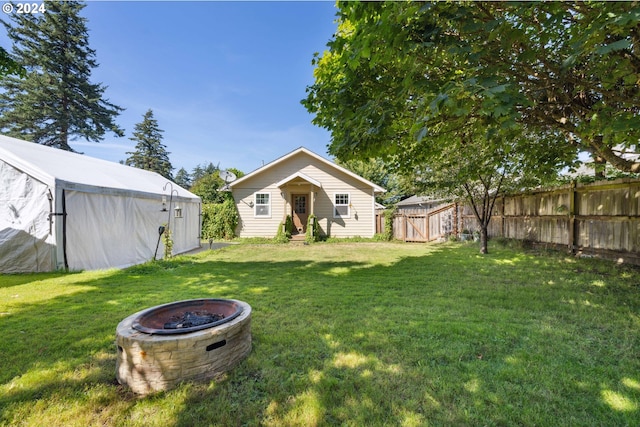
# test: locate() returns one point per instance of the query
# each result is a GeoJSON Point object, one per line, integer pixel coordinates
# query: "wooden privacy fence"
{"type": "Point", "coordinates": [601, 218]}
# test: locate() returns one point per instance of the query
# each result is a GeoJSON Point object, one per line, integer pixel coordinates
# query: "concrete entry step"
{"type": "Point", "coordinates": [297, 237]}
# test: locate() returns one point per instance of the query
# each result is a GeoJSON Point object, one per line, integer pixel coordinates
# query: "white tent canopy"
{"type": "Point", "coordinates": [63, 210]}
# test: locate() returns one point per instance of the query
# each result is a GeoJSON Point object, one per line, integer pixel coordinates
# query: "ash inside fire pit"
{"type": "Point", "coordinates": [186, 316]}
{"type": "Point", "coordinates": [189, 320]}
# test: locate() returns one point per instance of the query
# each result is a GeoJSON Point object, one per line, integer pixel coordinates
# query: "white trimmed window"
{"type": "Point", "coordinates": [341, 205]}
{"type": "Point", "coordinates": [262, 205]}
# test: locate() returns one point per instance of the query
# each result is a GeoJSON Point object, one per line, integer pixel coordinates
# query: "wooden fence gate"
{"type": "Point", "coordinates": [421, 227]}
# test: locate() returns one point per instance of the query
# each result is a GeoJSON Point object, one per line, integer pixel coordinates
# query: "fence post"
{"type": "Point", "coordinates": [572, 217]}
{"type": "Point", "coordinates": [502, 217]}
{"type": "Point", "coordinates": [455, 218]}
{"type": "Point", "coordinates": [426, 227]}
{"type": "Point", "coordinates": [404, 228]}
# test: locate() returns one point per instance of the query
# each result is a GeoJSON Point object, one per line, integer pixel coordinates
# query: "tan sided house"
{"type": "Point", "coordinates": [299, 184]}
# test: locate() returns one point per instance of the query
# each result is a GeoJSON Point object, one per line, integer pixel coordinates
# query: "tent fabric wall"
{"type": "Point", "coordinates": [66, 210]}
{"type": "Point", "coordinates": [129, 239]}
{"type": "Point", "coordinates": [132, 233]}
{"type": "Point", "coordinates": [185, 230]}
{"type": "Point", "coordinates": [26, 243]}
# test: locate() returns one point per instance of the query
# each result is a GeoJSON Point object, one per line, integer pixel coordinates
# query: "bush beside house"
{"type": "Point", "coordinates": [219, 220]}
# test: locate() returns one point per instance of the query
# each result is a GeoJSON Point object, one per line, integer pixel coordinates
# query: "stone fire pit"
{"type": "Point", "coordinates": [200, 339]}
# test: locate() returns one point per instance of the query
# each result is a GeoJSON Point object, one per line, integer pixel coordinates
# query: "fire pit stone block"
{"type": "Point", "coordinates": [148, 363]}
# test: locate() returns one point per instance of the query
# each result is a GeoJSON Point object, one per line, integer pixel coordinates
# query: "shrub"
{"type": "Point", "coordinates": [288, 225]}
{"type": "Point", "coordinates": [388, 224]}
{"type": "Point", "coordinates": [219, 220]}
{"type": "Point", "coordinates": [283, 234]}
{"type": "Point", "coordinates": [380, 237]}
{"type": "Point", "coordinates": [312, 229]}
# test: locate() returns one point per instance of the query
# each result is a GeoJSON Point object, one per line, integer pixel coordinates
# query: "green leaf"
{"type": "Point", "coordinates": [436, 105]}
{"type": "Point", "coordinates": [500, 88]}
{"type": "Point", "coordinates": [421, 133]}
{"type": "Point", "coordinates": [612, 47]}
{"type": "Point", "coordinates": [365, 52]}
{"type": "Point", "coordinates": [569, 61]}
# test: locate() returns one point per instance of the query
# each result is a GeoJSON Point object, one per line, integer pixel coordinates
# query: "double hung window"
{"type": "Point", "coordinates": [262, 205]}
{"type": "Point", "coordinates": [341, 203]}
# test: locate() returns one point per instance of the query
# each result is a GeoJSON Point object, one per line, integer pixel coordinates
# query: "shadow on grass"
{"type": "Point", "coordinates": [11, 280]}
{"type": "Point", "coordinates": [441, 337]}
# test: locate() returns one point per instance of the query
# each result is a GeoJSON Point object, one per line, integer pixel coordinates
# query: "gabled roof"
{"type": "Point", "coordinates": [301, 176]}
{"type": "Point", "coordinates": [56, 167]}
{"type": "Point", "coordinates": [284, 158]}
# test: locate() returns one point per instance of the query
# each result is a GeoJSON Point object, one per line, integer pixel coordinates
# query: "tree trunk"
{"type": "Point", "coordinates": [483, 240]}
{"type": "Point", "coordinates": [599, 164]}
{"type": "Point", "coordinates": [483, 208]}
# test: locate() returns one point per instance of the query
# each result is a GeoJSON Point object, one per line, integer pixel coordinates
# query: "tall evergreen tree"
{"type": "Point", "coordinates": [56, 102]}
{"type": "Point", "coordinates": [182, 178]}
{"type": "Point", "coordinates": [150, 153]}
{"type": "Point", "coordinates": [203, 170]}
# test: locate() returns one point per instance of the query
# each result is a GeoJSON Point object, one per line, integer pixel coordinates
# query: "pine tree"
{"type": "Point", "coordinates": [182, 178]}
{"type": "Point", "coordinates": [150, 153]}
{"type": "Point", "coordinates": [203, 170]}
{"type": "Point", "coordinates": [56, 102]}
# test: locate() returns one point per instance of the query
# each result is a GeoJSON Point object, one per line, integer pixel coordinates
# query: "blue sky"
{"type": "Point", "coordinates": [224, 79]}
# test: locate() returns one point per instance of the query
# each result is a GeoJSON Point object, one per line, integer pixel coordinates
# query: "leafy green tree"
{"type": "Point", "coordinates": [207, 183]}
{"type": "Point", "coordinates": [150, 153]}
{"type": "Point", "coordinates": [182, 178]}
{"type": "Point", "coordinates": [389, 88]}
{"type": "Point", "coordinates": [55, 102]}
{"type": "Point", "coordinates": [479, 167]}
{"type": "Point", "coordinates": [398, 69]}
{"type": "Point", "coordinates": [376, 171]}
{"type": "Point", "coordinates": [208, 188]}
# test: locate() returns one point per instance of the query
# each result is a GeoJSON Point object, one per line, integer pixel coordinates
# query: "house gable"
{"type": "Point", "coordinates": [296, 153]}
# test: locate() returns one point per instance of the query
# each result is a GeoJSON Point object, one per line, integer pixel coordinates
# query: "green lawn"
{"type": "Point", "coordinates": [343, 334]}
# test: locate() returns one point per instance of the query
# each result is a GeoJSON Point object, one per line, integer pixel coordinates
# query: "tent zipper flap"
{"type": "Point", "coordinates": [52, 213]}
{"type": "Point", "coordinates": [64, 231]}
{"type": "Point", "coordinates": [63, 214]}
